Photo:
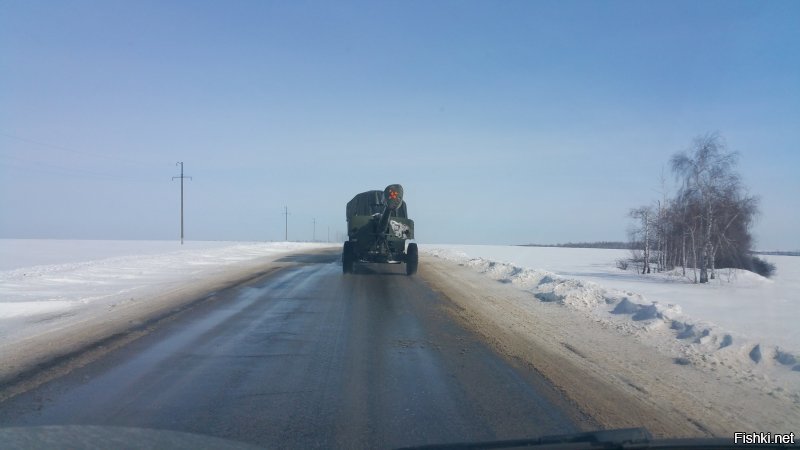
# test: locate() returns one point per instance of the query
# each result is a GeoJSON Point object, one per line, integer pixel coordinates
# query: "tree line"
{"type": "Point", "coordinates": [706, 224]}
{"type": "Point", "coordinates": [601, 244]}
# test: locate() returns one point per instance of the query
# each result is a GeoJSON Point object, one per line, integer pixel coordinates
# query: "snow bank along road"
{"type": "Point", "coordinates": [301, 355]}
{"type": "Point", "coordinates": [618, 381]}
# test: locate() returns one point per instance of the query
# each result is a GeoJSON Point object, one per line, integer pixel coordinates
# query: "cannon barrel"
{"type": "Point", "coordinates": [393, 196]}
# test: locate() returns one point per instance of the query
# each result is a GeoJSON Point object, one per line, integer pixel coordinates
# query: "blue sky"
{"type": "Point", "coordinates": [506, 122]}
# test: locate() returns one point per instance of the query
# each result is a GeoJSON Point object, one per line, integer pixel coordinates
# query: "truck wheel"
{"type": "Point", "coordinates": [348, 258]}
{"type": "Point", "coordinates": [412, 259]}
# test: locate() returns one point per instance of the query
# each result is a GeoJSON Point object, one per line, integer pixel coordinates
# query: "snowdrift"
{"type": "Point", "coordinates": [689, 340]}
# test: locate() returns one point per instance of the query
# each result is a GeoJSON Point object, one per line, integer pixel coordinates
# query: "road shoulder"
{"type": "Point", "coordinates": [615, 380]}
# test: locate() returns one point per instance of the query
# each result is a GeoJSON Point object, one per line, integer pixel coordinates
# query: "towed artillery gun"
{"type": "Point", "coordinates": [377, 229]}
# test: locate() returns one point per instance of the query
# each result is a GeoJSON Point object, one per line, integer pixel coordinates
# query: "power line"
{"type": "Point", "coordinates": [25, 165]}
{"type": "Point", "coordinates": [181, 177]}
{"type": "Point", "coordinates": [16, 163]}
{"type": "Point", "coordinates": [70, 150]}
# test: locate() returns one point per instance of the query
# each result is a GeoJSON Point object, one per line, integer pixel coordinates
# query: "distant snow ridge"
{"type": "Point", "coordinates": [696, 342]}
{"type": "Point", "coordinates": [547, 286]}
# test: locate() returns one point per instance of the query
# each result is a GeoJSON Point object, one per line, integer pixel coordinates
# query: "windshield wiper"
{"type": "Point", "coordinates": [623, 438]}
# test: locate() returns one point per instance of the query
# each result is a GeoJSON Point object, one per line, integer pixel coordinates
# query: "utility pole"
{"type": "Point", "coordinates": [314, 234]}
{"type": "Point", "coordinates": [181, 177]}
{"type": "Point", "coordinates": [286, 224]}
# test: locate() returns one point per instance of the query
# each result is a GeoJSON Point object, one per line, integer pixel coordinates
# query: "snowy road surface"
{"type": "Point", "coordinates": [306, 357]}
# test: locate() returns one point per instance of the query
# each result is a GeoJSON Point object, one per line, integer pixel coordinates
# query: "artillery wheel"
{"type": "Point", "coordinates": [412, 259]}
{"type": "Point", "coordinates": [348, 258]}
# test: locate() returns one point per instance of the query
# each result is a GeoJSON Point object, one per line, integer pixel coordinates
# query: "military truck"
{"type": "Point", "coordinates": [377, 229]}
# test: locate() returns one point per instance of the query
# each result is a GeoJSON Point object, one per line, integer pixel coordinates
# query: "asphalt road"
{"type": "Point", "coordinates": [308, 357]}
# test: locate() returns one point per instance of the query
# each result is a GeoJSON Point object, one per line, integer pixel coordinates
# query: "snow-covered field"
{"type": "Point", "coordinates": [51, 276]}
{"type": "Point", "coordinates": [78, 291]}
{"type": "Point", "coordinates": [740, 320]}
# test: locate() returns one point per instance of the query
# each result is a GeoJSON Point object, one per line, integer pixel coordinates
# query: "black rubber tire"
{"type": "Point", "coordinates": [412, 259]}
{"type": "Point", "coordinates": [348, 258]}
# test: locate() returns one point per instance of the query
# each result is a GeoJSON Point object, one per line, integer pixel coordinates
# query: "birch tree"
{"type": "Point", "coordinates": [706, 224]}
{"type": "Point", "coordinates": [706, 175]}
{"type": "Point", "coordinates": [644, 216]}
